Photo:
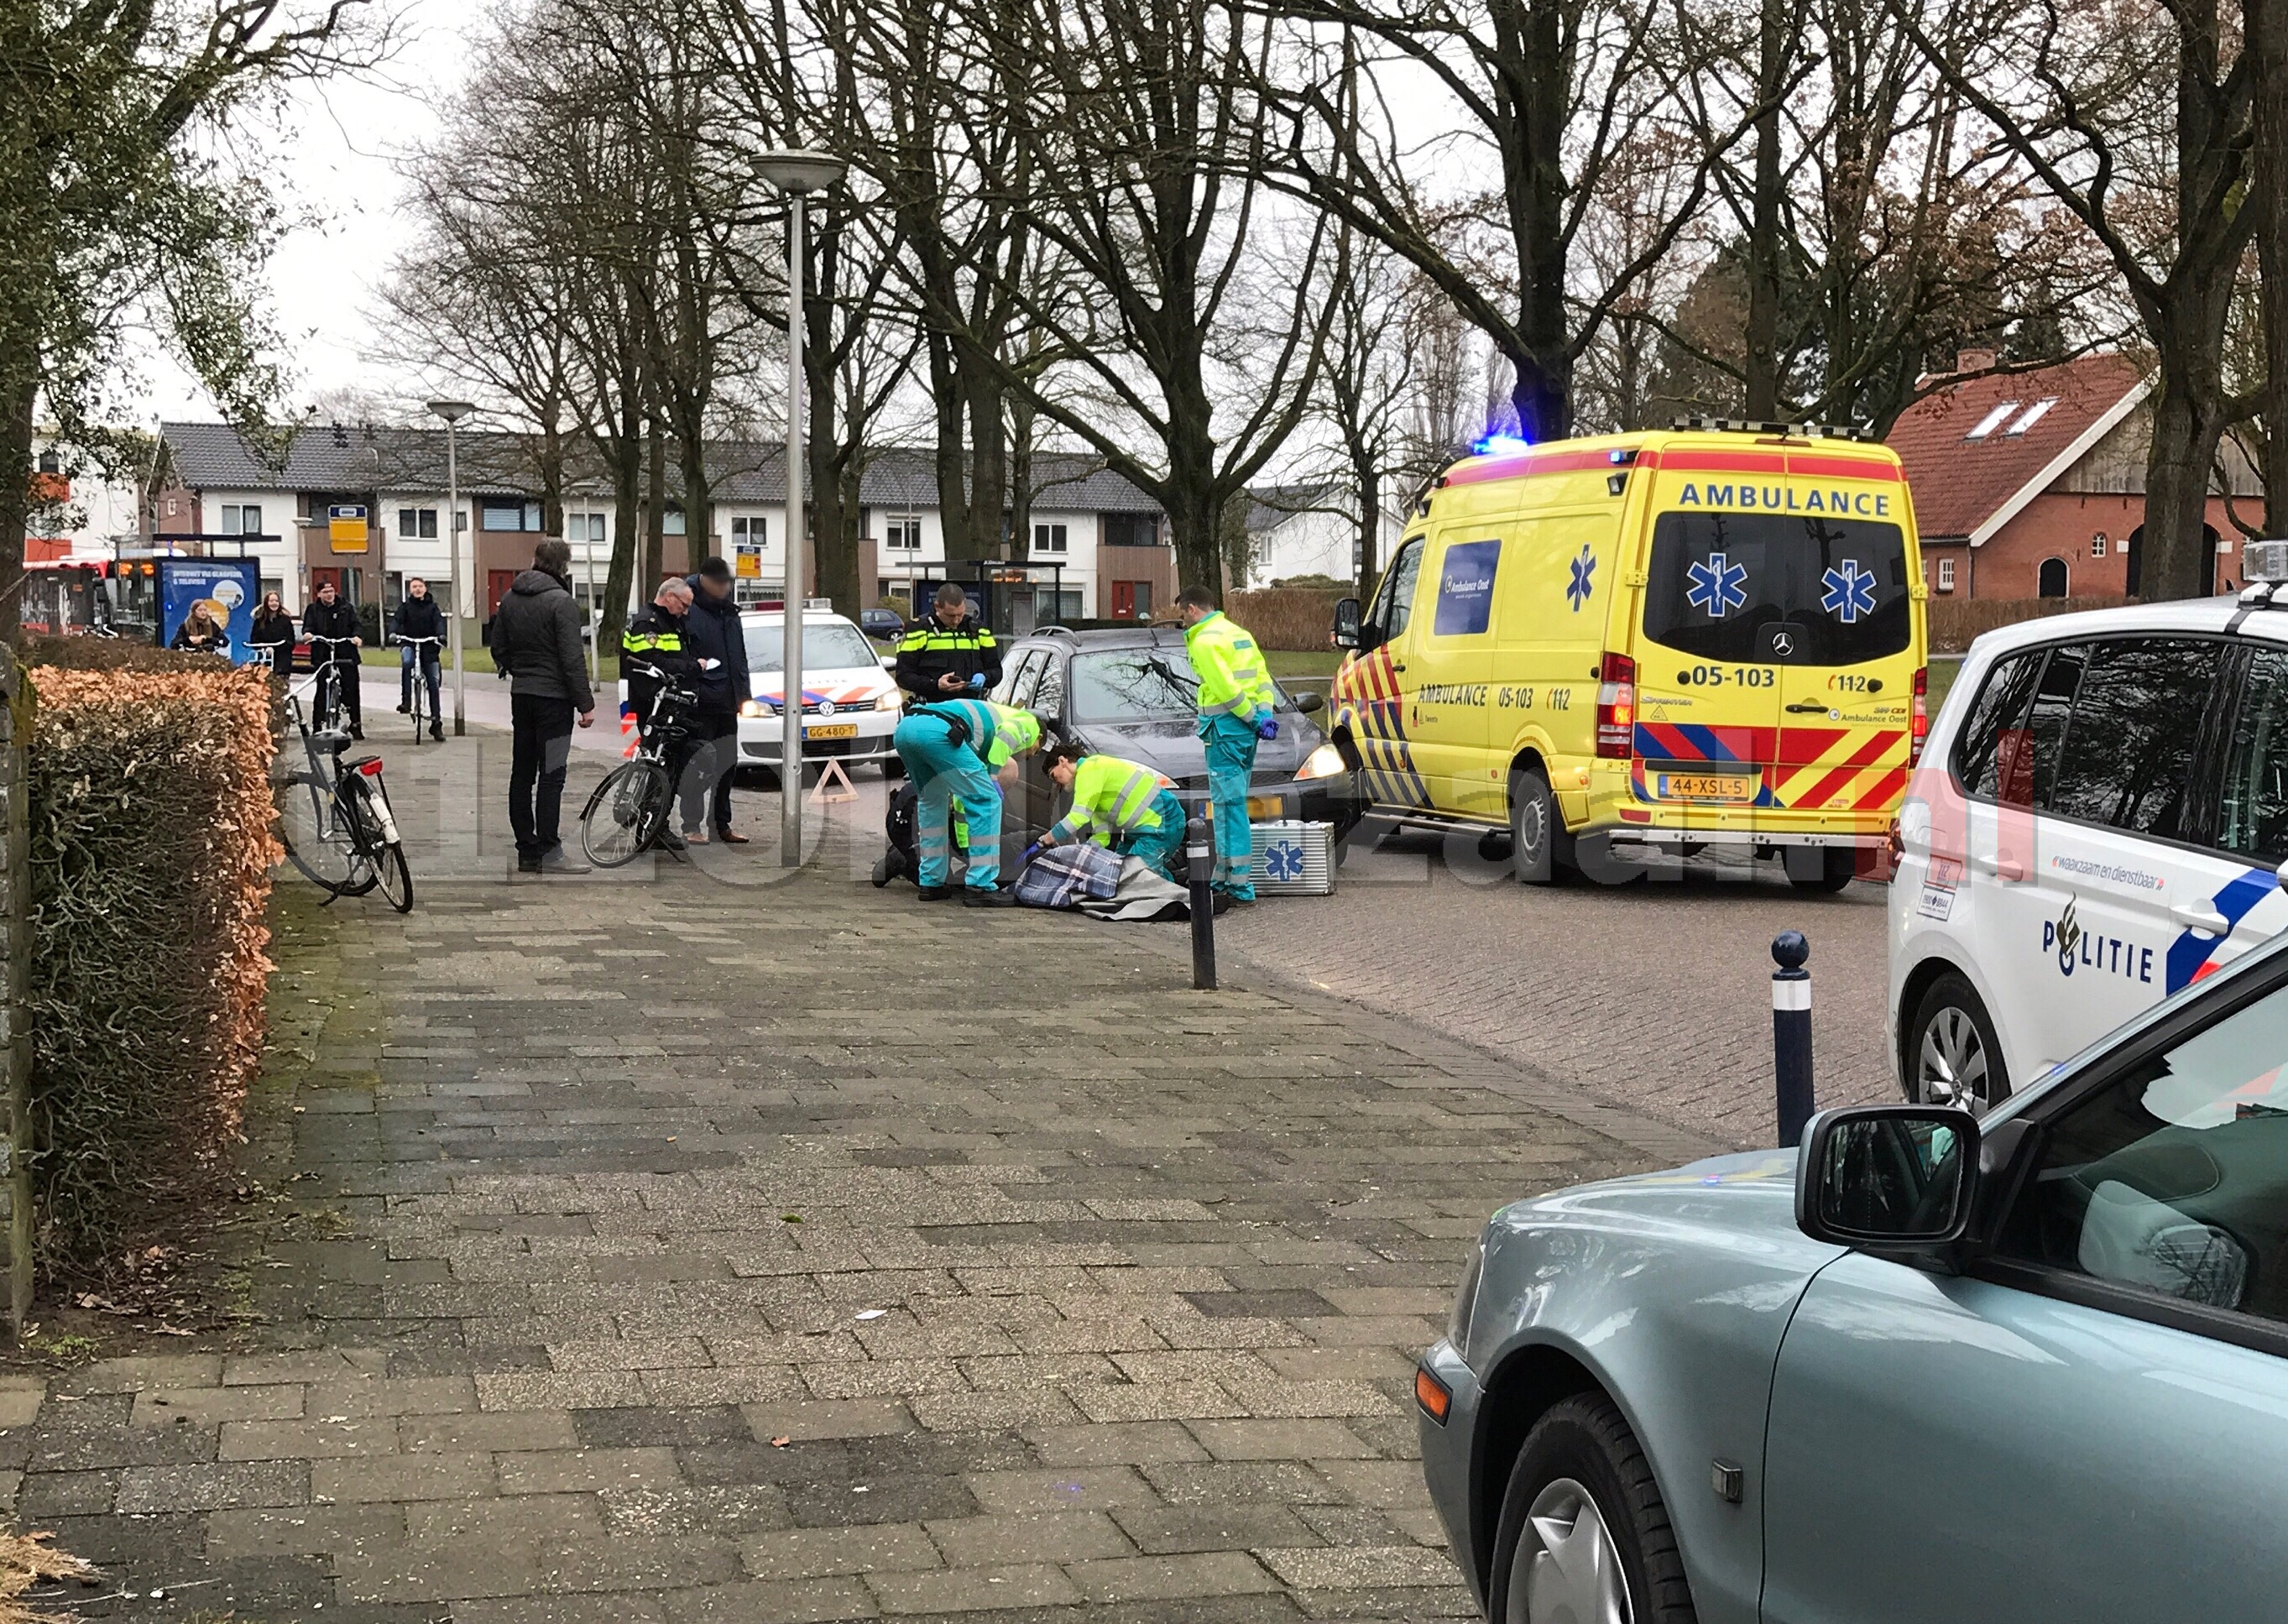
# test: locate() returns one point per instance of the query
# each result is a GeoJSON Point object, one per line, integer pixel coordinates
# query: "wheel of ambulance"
{"type": "Point", "coordinates": [1836, 867]}
{"type": "Point", "coordinates": [1538, 844]}
{"type": "Point", "coordinates": [1953, 1057]}
{"type": "Point", "coordinates": [1585, 1537]}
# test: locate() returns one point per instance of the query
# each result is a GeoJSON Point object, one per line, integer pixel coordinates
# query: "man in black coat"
{"type": "Point", "coordinates": [711, 631]}
{"type": "Point", "coordinates": [329, 617]}
{"type": "Point", "coordinates": [945, 655]}
{"type": "Point", "coordinates": [536, 642]}
{"type": "Point", "coordinates": [418, 616]}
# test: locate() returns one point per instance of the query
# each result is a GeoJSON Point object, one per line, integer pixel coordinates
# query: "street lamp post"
{"type": "Point", "coordinates": [464, 603]}
{"type": "Point", "coordinates": [796, 173]}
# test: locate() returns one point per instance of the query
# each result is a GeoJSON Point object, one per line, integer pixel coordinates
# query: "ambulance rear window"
{"type": "Point", "coordinates": [1721, 581]}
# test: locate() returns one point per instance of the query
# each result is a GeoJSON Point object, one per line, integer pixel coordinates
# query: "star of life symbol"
{"type": "Point", "coordinates": [1850, 591]}
{"type": "Point", "coordinates": [1717, 586]}
{"type": "Point", "coordinates": [1579, 588]}
{"type": "Point", "coordinates": [1283, 861]}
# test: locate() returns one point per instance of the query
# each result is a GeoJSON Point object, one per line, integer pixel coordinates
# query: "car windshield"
{"type": "Point", "coordinates": [826, 645]}
{"type": "Point", "coordinates": [1129, 684]}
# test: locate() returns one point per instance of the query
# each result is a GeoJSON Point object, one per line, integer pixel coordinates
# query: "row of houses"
{"type": "Point", "coordinates": [2026, 485]}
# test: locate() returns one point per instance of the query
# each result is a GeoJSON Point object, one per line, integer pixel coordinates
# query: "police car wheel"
{"type": "Point", "coordinates": [1953, 1058]}
{"type": "Point", "coordinates": [1535, 828]}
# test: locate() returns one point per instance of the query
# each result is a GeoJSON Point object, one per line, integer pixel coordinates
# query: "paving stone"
{"type": "Point", "coordinates": [802, 1601]}
{"type": "Point", "coordinates": [512, 1518]}
{"type": "Point", "coordinates": [1114, 1444]}
{"type": "Point", "coordinates": [220, 1487]}
{"type": "Point", "coordinates": [1165, 1530]}
{"type": "Point", "coordinates": [302, 1531]}
{"type": "Point", "coordinates": [326, 1438]}
{"type": "Point", "coordinates": [1056, 1536]}
{"type": "Point", "coordinates": [173, 1406]}
{"type": "Point", "coordinates": [816, 1553]}
{"type": "Point", "coordinates": [1352, 1568]}
{"type": "Point", "coordinates": [819, 1418]}
{"type": "Point", "coordinates": [518, 1430]}
{"type": "Point", "coordinates": [1163, 1578]}
{"type": "Point", "coordinates": [578, 1470]}
{"type": "Point", "coordinates": [1087, 1489]}
{"type": "Point", "coordinates": [402, 1477]}
{"type": "Point", "coordinates": [972, 1590]}
{"type": "Point", "coordinates": [1279, 1440]}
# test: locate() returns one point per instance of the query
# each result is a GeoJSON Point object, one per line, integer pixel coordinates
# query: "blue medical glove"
{"type": "Point", "coordinates": [977, 680]}
{"type": "Point", "coordinates": [1266, 729]}
{"type": "Point", "coordinates": [1031, 853]}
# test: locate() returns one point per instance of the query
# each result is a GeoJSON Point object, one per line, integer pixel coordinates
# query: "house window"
{"type": "Point", "coordinates": [2053, 581]}
{"type": "Point", "coordinates": [237, 520]}
{"type": "Point", "coordinates": [902, 535]}
{"type": "Point", "coordinates": [749, 532]}
{"type": "Point", "coordinates": [2034, 415]}
{"type": "Point", "coordinates": [671, 523]}
{"type": "Point", "coordinates": [502, 515]}
{"type": "Point", "coordinates": [1992, 420]}
{"type": "Point", "coordinates": [1049, 538]}
{"type": "Point", "coordinates": [50, 462]}
{"type": "Point", "coordinates": [1946, 574]}
{"type": "Point", "coordinates": [1131, 530]}
{"type": "Point", "coordinates": [417, 523]}
{"type": "Point", "coordinates": [2097, 546]}
{"type": "Point", "coordinates": [585, 529]}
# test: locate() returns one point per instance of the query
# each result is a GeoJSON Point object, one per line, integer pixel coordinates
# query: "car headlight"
{"type": "Point", "coordinates": [1324, 762]}
{"type": "Point", "coordinates": [1465, 1301]}
{"type": "Point", "coordinates": [755, 709]}
{"type": "Point", "coordinates": [892, 701]}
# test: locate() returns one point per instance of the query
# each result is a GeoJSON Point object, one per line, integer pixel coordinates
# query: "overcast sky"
{"type": "Point", "coordinates": [334, 159]}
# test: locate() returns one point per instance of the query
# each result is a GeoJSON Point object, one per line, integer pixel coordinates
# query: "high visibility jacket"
{"type": "Point", "coordinates": [929, 650]}
{"type": "Point", "coordinates": [1110, 796]}
{"type": "Point", "coordinates": [654, 637]}
{"type": "Point", "coordinates": [996, 731]}
{"type": "Point", "coordinates": [1233, 680]}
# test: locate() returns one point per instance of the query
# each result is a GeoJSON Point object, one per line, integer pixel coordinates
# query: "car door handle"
{"type": "Point", "coordinates": [1398, 665]}
{"type": "Point", "coordinates": [1806, 707]}
{"type": "Point", "coordinates": [2001, 868]}
{"type": "Point", "coordinates": [2202, 917]}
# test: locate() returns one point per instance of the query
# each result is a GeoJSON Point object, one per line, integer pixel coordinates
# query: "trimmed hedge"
{"type": "Point", "coordinates": [151, 852]}
{"type": "Point", "coordinates": [1298, 619]}
{"type": "Point", "coordinates": [1955, 621]}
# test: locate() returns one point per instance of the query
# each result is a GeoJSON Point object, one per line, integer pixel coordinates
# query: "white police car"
{"type": "Point", "coordinates": [850, 705]}
{"type": "Point", "coordinates": [2097, 821]}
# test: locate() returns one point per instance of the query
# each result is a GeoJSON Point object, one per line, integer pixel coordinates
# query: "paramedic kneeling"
{"type": "Point", "coordinates": [1117, 803]}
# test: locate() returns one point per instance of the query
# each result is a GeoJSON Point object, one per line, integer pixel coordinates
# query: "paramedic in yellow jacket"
{"type": "Point", "coordinates": [1235, 700]}
{"type": "Point", "coordinates": [1117, 803]}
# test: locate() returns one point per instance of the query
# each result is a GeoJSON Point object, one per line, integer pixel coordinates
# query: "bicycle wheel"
{"type": "Point", "coordinates": [363, 827]}
{"type": "Point", "coordinates": [396, 879]}
{"type": "Point", "coordinates": [313, 845]}
{"type": "Point", "coordinates": [626, 814]}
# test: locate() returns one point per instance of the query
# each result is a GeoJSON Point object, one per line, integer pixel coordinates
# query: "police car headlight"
{"type": "Point", "coordinates": [1324, 762]}
{"type": "Point", "coordinates": [891, 700]}
{"type": "Point", "coordinates": [755, 709]}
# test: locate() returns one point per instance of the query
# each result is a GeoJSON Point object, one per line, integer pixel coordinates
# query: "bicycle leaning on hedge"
{"type": "Point", "coordinates": [627, 814]}
{"type": "Point", "coordinates": [334, 816]}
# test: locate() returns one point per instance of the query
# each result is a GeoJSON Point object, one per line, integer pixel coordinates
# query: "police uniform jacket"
{"type": "Point", "coordinates": [929, 650]}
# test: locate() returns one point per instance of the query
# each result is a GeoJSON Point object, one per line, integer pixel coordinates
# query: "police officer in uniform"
{"type": "Point", "coordinates": [655, 636]}
{"type": "Point", "coordinates": [948, 655]}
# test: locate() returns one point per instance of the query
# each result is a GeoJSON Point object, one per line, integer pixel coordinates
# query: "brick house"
{"type": "Point", "coordinates": [2032, 484]}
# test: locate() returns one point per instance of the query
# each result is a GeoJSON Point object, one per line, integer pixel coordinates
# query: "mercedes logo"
{"type": "Point", "coordinates": [826, 707]}
{"type": "Point", "coordinates": [1782, 643]}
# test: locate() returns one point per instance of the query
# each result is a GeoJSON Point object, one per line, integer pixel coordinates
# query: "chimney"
{"type": "Point", "coordinates": [1974, 360]}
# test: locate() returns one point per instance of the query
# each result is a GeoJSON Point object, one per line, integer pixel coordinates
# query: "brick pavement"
{"type": "Point", "coordinates": [1655, 998]}
{"type": "Point", "coordinates": [683, 1249]}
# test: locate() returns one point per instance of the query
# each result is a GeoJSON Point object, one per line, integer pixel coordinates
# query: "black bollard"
{"type": "Point", "coordinates": [1199, 859]}
{"type": "Point", "coordinates": [1791, 1034]}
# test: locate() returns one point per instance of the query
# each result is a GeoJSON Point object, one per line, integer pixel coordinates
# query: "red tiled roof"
{"type": "Point", "coordinates": [1958, 484]}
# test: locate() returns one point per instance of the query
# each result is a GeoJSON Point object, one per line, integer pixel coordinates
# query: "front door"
{"type": "Point", "coordinates": [1371, 691]}
{"type": "Point", "coordinates": [497, 583]}
{"type": "Point", "coordinates": [2090, 1425]}
{"type": "Point", "coordinates": [1448, 685]}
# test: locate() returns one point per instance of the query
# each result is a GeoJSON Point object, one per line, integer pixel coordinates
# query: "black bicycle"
{"type": "Point", "coordinates": [334, 816]}
{"type": "Point", "coordinates": [424, 719]}
{"type": "Point", "coordinates": [626, 815]}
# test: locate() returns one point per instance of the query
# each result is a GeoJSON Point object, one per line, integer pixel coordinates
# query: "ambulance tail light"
{"type": "Point", "coordinates": [1616, 707]}
{"type": "Point", "coordinates": [1918, 728]}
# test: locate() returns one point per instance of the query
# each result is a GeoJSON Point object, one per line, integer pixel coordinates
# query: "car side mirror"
{"type": "Point", "coordinates": [1346, 622]}
{"type": "Point", "coordinates": [1880, 1177]}
{"type": "Point", "coordinates": [1309, 700]}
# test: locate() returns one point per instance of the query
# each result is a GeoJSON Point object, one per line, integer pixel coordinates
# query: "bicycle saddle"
{"type": "Point", "coordinates": [332, 741]}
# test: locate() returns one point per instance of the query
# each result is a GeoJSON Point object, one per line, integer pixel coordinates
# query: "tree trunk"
{"type": "Point", "coordinates": [16, 465]}
{"type": "Point", "coordinates": [988, 462]}
{"type": "Point", "coordinates": [1370, 500]}
{"type": "Point", "coordinates": [1763, 368]}
{"type": "Point", "coordinates": [1021, 479]}
{"type": "Point", "coordinates": [655, 510]}
{"type": "Point", "coordinates": [698, 495]}
{"type": "Point", "coordinates": [1195, 516]}
{"type": "Point", "coordinates": [952, 464]}
{"type": "Point", "coordinates": [551, 476]}
{"type": "Point", "coordinates": [627, 487]}
{"type": "Point", "coordinates": [2177, 560]}
{"type": "Point", "coordinates": [2266, 25]}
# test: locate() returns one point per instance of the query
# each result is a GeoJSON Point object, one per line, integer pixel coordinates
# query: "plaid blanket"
{"type": "Point", "coordinates": [1063, 875]}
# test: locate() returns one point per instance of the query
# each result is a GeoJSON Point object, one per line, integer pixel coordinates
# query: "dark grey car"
{"type": "Point", "coordinates": [1130, 693]}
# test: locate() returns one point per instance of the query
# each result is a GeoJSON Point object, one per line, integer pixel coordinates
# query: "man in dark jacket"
{"type": "Point", "coordinates": [536, 642]}
{"type": "Point", "coordinates": [329, 617]}
{"type": "Point", "coordinates": [944, 656]}
{"type": "Point", "coordinates": [711, 631]}
{"type": "Point", "coordinates": [418, 616]}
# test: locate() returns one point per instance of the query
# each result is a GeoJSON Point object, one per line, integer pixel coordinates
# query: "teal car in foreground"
{"type": "Point", "coordinates": [1934, 1368]}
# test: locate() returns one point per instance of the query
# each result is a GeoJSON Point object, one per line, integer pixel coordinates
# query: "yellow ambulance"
{"type": "Point", "coordinates": [1660, 641]}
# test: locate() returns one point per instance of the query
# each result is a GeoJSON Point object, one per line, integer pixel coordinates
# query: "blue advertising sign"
{"type": "Point", "coordinates": [1465, 589]}
{"type": "Point", "coordinates": [228, 587]}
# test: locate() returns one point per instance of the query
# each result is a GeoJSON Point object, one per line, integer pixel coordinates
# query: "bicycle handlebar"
{"type": "Point", "coordinates": [404, 640]}
{"type": "Point", "coordinates": [313, 637]}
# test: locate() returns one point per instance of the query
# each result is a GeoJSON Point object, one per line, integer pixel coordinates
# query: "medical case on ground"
{"type": "Point", "coordinates": [1293, 859]}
